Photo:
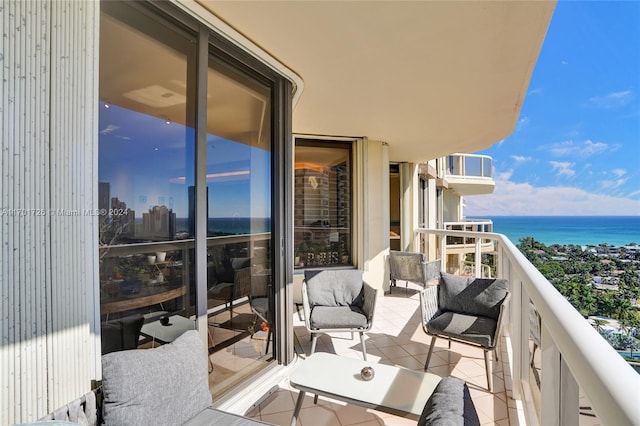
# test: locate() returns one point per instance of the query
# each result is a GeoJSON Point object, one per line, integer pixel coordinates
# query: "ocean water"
{"type": "Point", "coordinates": [231, 225]}
{"type": "Point", "coordinates": [579, 230]}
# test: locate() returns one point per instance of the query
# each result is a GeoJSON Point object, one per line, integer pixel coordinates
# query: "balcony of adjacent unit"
{"type": "Point", "coordinates": [469, 174]}
{"type": "Point", "coordinates": [460, 250]}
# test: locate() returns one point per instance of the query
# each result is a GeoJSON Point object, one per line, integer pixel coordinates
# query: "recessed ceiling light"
{"type": "Point", "coordinates": [156, 96]}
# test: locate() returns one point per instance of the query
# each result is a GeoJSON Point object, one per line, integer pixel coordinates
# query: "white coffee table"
{"type": "Point", "coordinates": [395, 390]}
{"type": "Point", "coordinates": [168, 333]}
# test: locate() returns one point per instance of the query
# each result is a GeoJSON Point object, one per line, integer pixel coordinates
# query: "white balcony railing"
{"type": "Point", "coordinates": [574, 357]}
{"type": "Point", "coordinates": [469, 166]}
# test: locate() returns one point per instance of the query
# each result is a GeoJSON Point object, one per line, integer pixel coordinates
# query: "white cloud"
{"type": "Point", "coordinates": [110, 128]}
{"type": "Point", "coordinates": [578, 149]}
{"type": "Point", "coordinates": [563, 168]}
{"type": "Point", "coordinates": [612, 184]}
{"type": "Point", "coordinates": [506, 175]}
{"type": "Point", "coordinates": [523, 199]}
{"type": "Point", "coordinates": [536, 91]}
{"type": "Point", "coordinates": [520, 158]}
{"type": "Point", "coordinates": [619, 172]}
{"type": "Point", "coordinates": [612, 100]}
{"type": "Point", "coordinates": [521, 123]}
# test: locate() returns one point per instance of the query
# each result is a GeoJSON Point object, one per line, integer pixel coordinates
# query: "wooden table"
{"type": "Point", "coordinates": [149, 295]}
{"type": "Point", "coordinates": [394, 390]}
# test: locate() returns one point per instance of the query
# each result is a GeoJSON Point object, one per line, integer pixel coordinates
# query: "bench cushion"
{"type": "Point", "coordinates": [473, 296]}
{"type": "Point", "coordinates": [167, 385]}
{"type": "Point", "coordinates": [450, 404]}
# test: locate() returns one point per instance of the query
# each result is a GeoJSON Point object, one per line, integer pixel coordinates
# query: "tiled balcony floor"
{"type": "Point", "coordinates": [397, 338]}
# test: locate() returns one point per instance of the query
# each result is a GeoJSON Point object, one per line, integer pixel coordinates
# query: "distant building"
{"type": "Point", "coordinates": [159, 222]}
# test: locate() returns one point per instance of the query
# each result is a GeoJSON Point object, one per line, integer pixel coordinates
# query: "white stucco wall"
{"type": "Point", "coordinates": [48, 158]}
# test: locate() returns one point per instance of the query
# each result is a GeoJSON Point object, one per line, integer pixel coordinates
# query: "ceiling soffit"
{"type": "Point", "coordinates": [429, 78]}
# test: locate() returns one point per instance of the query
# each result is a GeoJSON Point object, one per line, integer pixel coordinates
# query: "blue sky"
{"type": "Point", "coordinates": [576, 147]}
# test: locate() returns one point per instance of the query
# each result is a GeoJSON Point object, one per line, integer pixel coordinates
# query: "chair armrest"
{"type": "Point", "coordinates": [369, 305]}
{"type": "Point", "coordinates": [501, 318]}
{"type": "Point", "coordinates": [306, 305]}
{"type": "Point", "coordinates": [428, 304]}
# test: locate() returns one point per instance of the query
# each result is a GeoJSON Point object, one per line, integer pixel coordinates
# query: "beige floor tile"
{"type": "Point", "coordinates": [278, 402]}
{"type": "Point", "coordinates": [319, 415]}
{"type": "Point", "coordinates": [280, 419]}
{"type": "Point", "coordinates": [392, 352]}
{"type": "Point", "coordinates": [352, 414]}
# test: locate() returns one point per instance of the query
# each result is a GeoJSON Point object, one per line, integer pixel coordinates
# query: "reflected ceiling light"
{"type": "Point", "coordinates": [303, 165]}
{"type": "Point", "coordinates": [167, 121]}
{"type": "Point", "coordinates": [107, 105]}
{"type": "Point", "coordinates": [156, 96]}
{"type": "Point", "coordinates": [156, 149]}
{"type": "Point", "coordinates": [183, 180]}
{"type": "Point", "coordinates": [227, 174]}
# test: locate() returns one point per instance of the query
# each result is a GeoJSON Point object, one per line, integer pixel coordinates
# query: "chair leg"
{"type": "Point", "coordinates": [489, 366]}
{"type": "Point", "coordinates": [433, 344]}
{"type": "Point", "coordinates": [364, 348]}
{"type": "Point", "coordinates": [449, 343]}
{"type": "Point", "coordinates": [266, 349]}
{"type": "Point", "coordinates": [314, 340]}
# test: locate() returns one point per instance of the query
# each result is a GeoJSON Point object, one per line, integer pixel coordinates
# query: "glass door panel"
{"type": "Point", "coordinates": [146, 158]}
{"type": "Point", "coordinates": [240, 294]}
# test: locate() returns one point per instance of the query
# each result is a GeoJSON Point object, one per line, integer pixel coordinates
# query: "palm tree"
{"type": "Point", "coordinates": [599, 323]}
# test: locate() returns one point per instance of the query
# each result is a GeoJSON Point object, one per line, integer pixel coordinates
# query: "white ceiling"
{"type": "Point", "coordinates": [429, 78]}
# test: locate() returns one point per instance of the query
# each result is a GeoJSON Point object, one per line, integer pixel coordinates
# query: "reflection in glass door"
{"type": "Point", "coordinates": [150, 193]}
{"type": "Point", "coordinates": [146, 157]}
{"type": "Point", "coordinates": [239, 204]}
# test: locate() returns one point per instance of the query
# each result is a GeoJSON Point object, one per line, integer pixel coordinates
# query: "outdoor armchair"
{"type": "Point", "coordinates": [467, 310]}
{"type": "Point", "coordinates": [413, 267]}
{"type": "Point", "coordinates": [258, 284]}
{"type": "Point", "coordinates": [337, 300]}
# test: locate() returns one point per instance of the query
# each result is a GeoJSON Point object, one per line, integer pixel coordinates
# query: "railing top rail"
{"type": "Point", "coordinates": [459, 154]}
{"type": "Point", "coordinates": [606, 378]}
{"type": "Point", "coordinates": [149, 247]}
{"type": "Point", "coordinates": [470, 222]}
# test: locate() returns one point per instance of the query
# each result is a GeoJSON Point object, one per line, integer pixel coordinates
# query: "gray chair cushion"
{"type": "Point", "coordinates": [343, 287]}
{"type": "Point", "coordinates": [477, 296]}
{"type": "Point", "coordinates": [327, 317]}
{"type": "Point", "coordinates": [472, 328]}
{"type": "Point", "coordinates": [211, 416]}
{"type": "Point", "coordinates": [449, 404]}
{"type": "Point", "coordinates": [167, 385]}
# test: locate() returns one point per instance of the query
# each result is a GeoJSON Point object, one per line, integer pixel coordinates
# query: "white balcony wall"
{"type": "Point", "coordinates": [372, 211]}
{"type": "Point", "coordinates": [48, 57]}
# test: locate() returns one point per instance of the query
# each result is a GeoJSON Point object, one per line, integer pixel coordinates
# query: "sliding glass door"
{"type": "Point", "coordinates": [156, 264]}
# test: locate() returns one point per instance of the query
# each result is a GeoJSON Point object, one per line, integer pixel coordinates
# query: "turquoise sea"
{"type": "Point", "coordinates": [579, 230]}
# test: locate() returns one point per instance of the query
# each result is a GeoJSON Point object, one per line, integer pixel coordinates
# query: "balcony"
{"type": "Point", "coordinates": [469, 174]}
{"type": "Point", "coordinates": [553, 369]}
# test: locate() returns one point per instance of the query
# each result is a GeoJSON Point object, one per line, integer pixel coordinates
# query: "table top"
{"type": "Point", "coordinates": [395, 389]}
{"type": "Point", "coordinates": [168, 333]}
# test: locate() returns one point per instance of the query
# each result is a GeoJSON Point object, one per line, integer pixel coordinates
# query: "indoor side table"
{"type": "Point", "coordinates": [395, 390]}
{"type": "Point", "coordinates": [168, 333]}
